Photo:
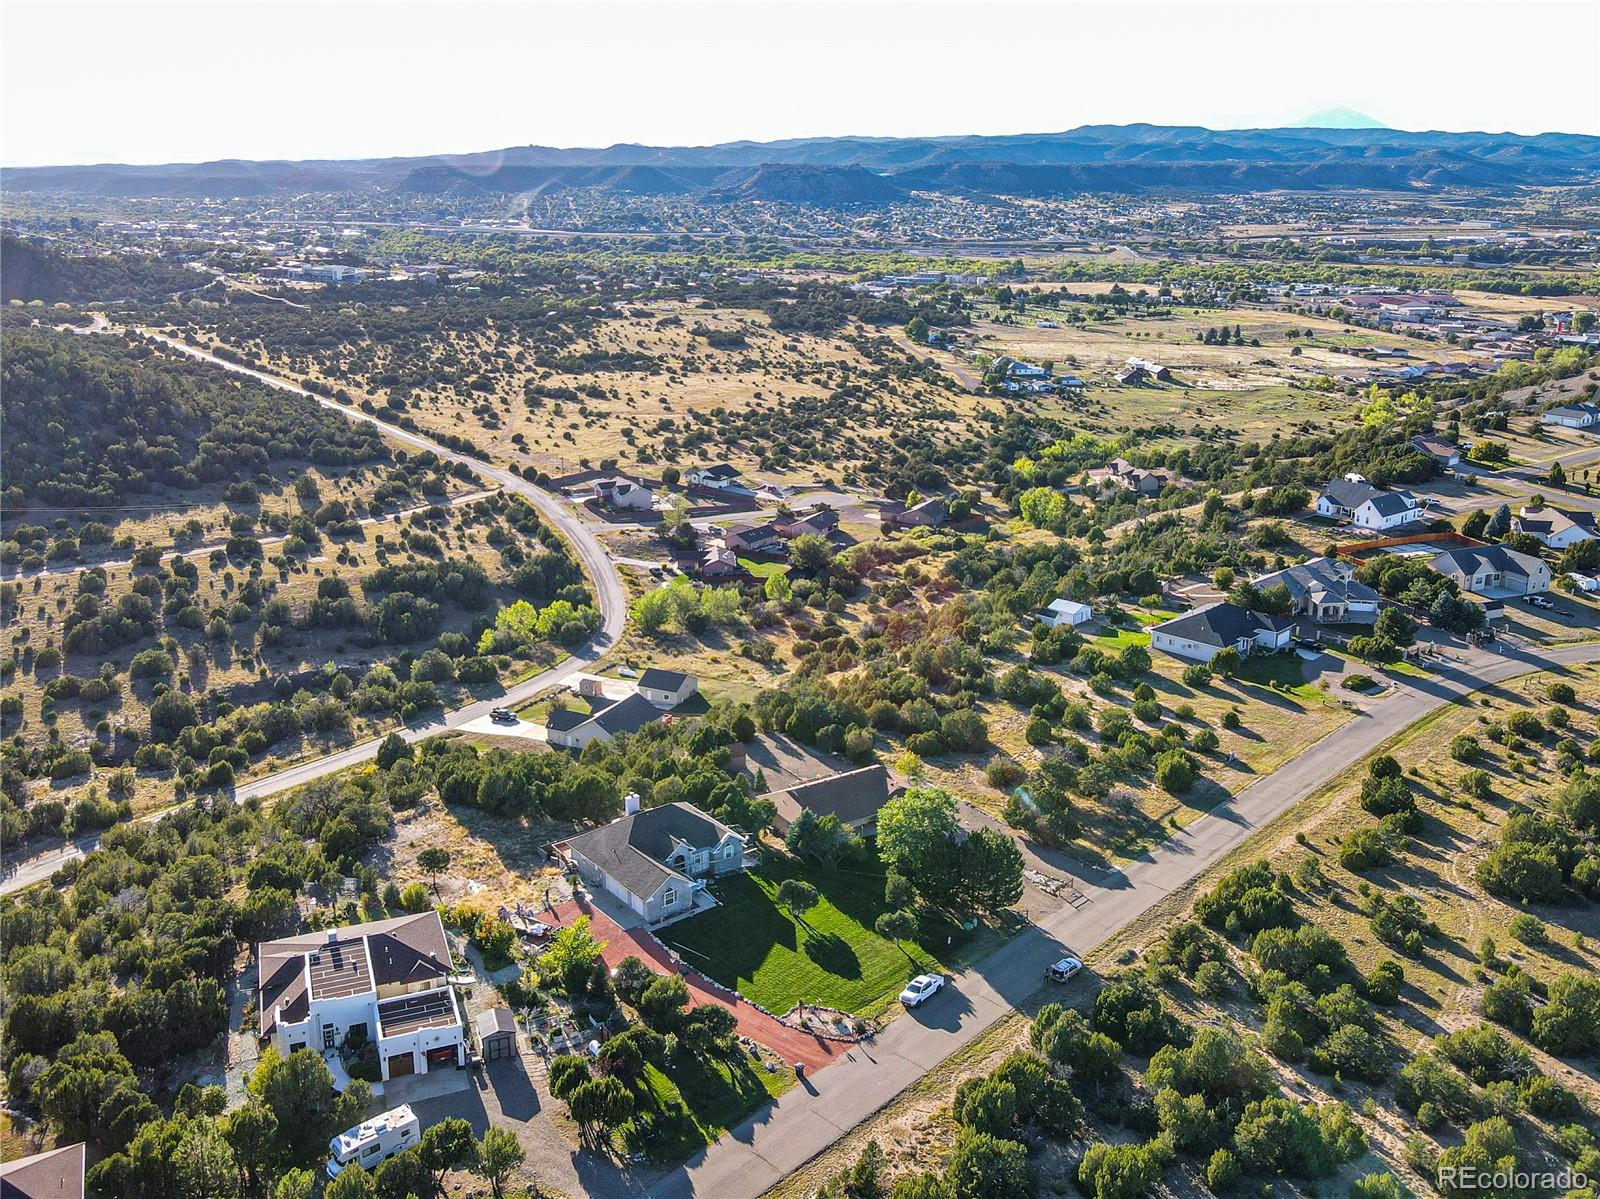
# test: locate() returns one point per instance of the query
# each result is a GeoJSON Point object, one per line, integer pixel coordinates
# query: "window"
{"type": "Point", "coordinates": [669, 897]}
{"type": "Point", "coordinates": [727, 850]}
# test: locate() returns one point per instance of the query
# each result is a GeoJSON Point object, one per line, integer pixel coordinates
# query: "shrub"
{"type": "Point", "coordinates": [1529, 929]}
{"type": "Point", "coordinates": [1197, 675]}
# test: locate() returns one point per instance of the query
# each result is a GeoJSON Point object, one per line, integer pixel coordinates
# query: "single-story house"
{"type": "Point", "coordinates": [666, 689]}
{"type": "Point", "coordinates": [1484, 568]}
{"type": "Point", "coordinates": [1154, 369]}
{"type": "Point", "coordinates": [1070, 383]}
{"type": "Point", "coordinates": [1446, 453]}
{"type": "Point", "coordinates": [1129, 375]}
{"type": "Point", "coordinates": [497, 1034]}
{"type": "Point", "coordinates": [1555, 527]}
{"type": "Point", "coordinates": [623, 493]}
{"type": "Point", "coordinates": [720, 564]}
{"type": "Point", "coordinates": [1325, 590]}
{"type": "Point", "coordinates": [385, 982]}
{"type": "Point", "coordinates": [605, 720]}
{"type": "Point", "coordinates": [1204, 633]}
{"type": "Point", "coordinates": [933, 513]}
{"type": "Point", "coordinates": [1573, 416]}
{"type": "Point", "coordinates": [744, 539]}
{"type": "Point", "coordinates": [1066, 613]}
{"type": "Point", "coordinates": [53, 1174]}
{"type": "Point", "coordinates": [854, 796]}
{"type": "Point", "coordinates": [651, 859]}
{"type": "Point", "coordinates": [717, 477]}
{"type": "Point", "coordinates": [821, 521]}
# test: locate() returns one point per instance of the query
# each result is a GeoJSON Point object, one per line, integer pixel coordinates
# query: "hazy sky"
{"type": "Point", "coordinates": [138, 82]}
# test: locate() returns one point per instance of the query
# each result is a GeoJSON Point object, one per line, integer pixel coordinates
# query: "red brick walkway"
{"type": "Point", "coordinates": [791, 1044]}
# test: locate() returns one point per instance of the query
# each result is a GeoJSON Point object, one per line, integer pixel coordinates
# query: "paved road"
{"type": "Point", "coordinates": [597, 565]}
{"type": "Point", "coordinates": [806, 1120]}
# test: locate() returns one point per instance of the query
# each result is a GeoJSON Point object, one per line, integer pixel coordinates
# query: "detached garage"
{"type": "Point", "coordinates": [497, 1034]}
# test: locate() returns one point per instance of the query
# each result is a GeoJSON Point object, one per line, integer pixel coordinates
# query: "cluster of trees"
{"type": "Point", "coordinates": [921, 842]}
{"type": "Point", "coordinates": [96, 422]}
{"type": "Point", "coordinates": [685, 761]}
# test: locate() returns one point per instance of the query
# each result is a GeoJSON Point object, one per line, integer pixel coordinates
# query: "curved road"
{"type": "Point", "coordinates": [597, 565]}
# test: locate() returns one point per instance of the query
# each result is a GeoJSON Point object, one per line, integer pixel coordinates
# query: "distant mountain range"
{"type": "Point", "coordinates": [868, 171]}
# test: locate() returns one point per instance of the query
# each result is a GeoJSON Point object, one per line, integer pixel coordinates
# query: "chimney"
{"type": "Point", "coordinates": [333, 935]}
{"type": "Point", "coordinates": [630, 804]}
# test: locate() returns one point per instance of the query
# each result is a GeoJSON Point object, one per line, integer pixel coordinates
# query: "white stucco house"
{"type": "Point", "coordinates": [624, 495]}
{"type": "Point", "coordinates": [718, 477]}
{"type": "Point", "coordinates": [1573, 416]}
{"type": "Point", "coordinates": [654, 860]}
{"type": "Point", "coordinates": [385, 981]}
{"type": "Point", "coordinates": [1204, 633]}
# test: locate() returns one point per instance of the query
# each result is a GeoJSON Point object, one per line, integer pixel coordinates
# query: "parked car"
{"type": "Point", "coordinates": [503, 716]}
{"type": "Point", "coordinates": [1063, 970]}
{"type": "Point", "coordinates": [921, 989]}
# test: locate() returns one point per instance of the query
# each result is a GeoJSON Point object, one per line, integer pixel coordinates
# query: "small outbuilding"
{"type": "Point", "coordinates": [497, 1034]}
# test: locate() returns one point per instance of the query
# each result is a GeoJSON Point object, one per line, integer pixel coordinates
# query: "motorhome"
{"type": "Point", "coordinates": [373, 1141]}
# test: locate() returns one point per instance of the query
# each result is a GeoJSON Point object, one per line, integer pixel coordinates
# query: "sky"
{"type": "Point", "coordinates": [181, 82]}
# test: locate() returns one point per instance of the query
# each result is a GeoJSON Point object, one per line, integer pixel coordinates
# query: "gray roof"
{"type": "Point", "coordinates": [851, 796]}
{"type": "Point", "coordinates": [662, 680]}
{"type": "Point", "coordinates": [496, 1020]}
{"type": "Point", "coordinates": [1390, 502]}
{"type": "Point", "coordinates": [1320, 576]}
{"type": "Point", "coordinates": [633, 849]}
{"type": "Point", "coordinates": [1349, 494]}
{"type": "Point", "coordinates": [613, 715]}
{"type": "Point", "coordinates": [1469, 559]}
{"type": "Point", "coordinates": [1222, 624]}
{"type": "Point", "coordinates": [53, 1174]}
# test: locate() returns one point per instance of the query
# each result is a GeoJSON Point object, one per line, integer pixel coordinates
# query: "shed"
{"type": "Point", "coordinates": [497, 1034]}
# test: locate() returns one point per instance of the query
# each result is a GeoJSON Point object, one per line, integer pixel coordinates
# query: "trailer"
{"type": "Point", "coordinates": [373, 1141]}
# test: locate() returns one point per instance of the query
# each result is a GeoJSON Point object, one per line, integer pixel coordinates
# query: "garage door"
{"type": "Point", "coordinates": [496, 1047]}
{"type": "Point", "coordinates": [402, 1063]}
{"type": "Point", "coordinates": [444, 1058]}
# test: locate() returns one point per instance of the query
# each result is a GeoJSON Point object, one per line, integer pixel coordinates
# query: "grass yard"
{"type": "Point", "coordinates": [698, 1104]}
{"type": "Point", "coordinates": [764, 570]}
{"type": "Point", "coordinates": [1120, 639]}
{"type": "Point", "coordinates": [832, 957]}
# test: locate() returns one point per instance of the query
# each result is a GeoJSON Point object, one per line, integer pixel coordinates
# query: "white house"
{"type": "Point", "coordinates": [1487, 569]}
{"type": "Point", "coordinates": [1354, 499]}
{"type": "Point", "coordinates": [718, 477]}
{"type": "Point", "coordinates": [1204, 633]}
{"type": "Point", "coordinates": [666, 689]}
{"type": "Point", "coordinates": [652, 860]}
{"type": "Point", "coordinates": [605, 720]}
{"type": "Point", "coordinates": [1556, 528]}
{"type": "Point", "coordinates": [1065, 612]}
{"type": "Point", "coordinates": [625, 494]}
{"type": "Point", "coordinates": [385, 982]}
{"type": "Point", "coordinates": [1573, 416]}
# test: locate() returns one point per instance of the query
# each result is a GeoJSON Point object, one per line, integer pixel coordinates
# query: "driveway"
{"type": "Point", "coordinates": [791, 1044]}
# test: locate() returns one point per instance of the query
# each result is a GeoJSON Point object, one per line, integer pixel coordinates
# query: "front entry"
{"type": "Point", "coordinates": [402, 1063]}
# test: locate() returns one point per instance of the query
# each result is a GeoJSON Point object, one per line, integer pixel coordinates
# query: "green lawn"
{"type": "Point", "coordinates": [1280, 670]}
{"type": "Point", "coordinates": [1120, 639]}
{"type": "Point", "coordinates": [702, 1100]}
{"type": "Point", "coordinates": [762, 570]}
{"type": "Point", "coordinates": [832, 958]}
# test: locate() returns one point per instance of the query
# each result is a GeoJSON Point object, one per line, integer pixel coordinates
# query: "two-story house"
{"type": "Point", "coordinates": [386, 982]}
{"type": "Point", "coordinates": [652, 860]}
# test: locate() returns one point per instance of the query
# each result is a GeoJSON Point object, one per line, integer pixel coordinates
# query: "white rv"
{"type": "Point", "coordinates": [373, 1141]}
